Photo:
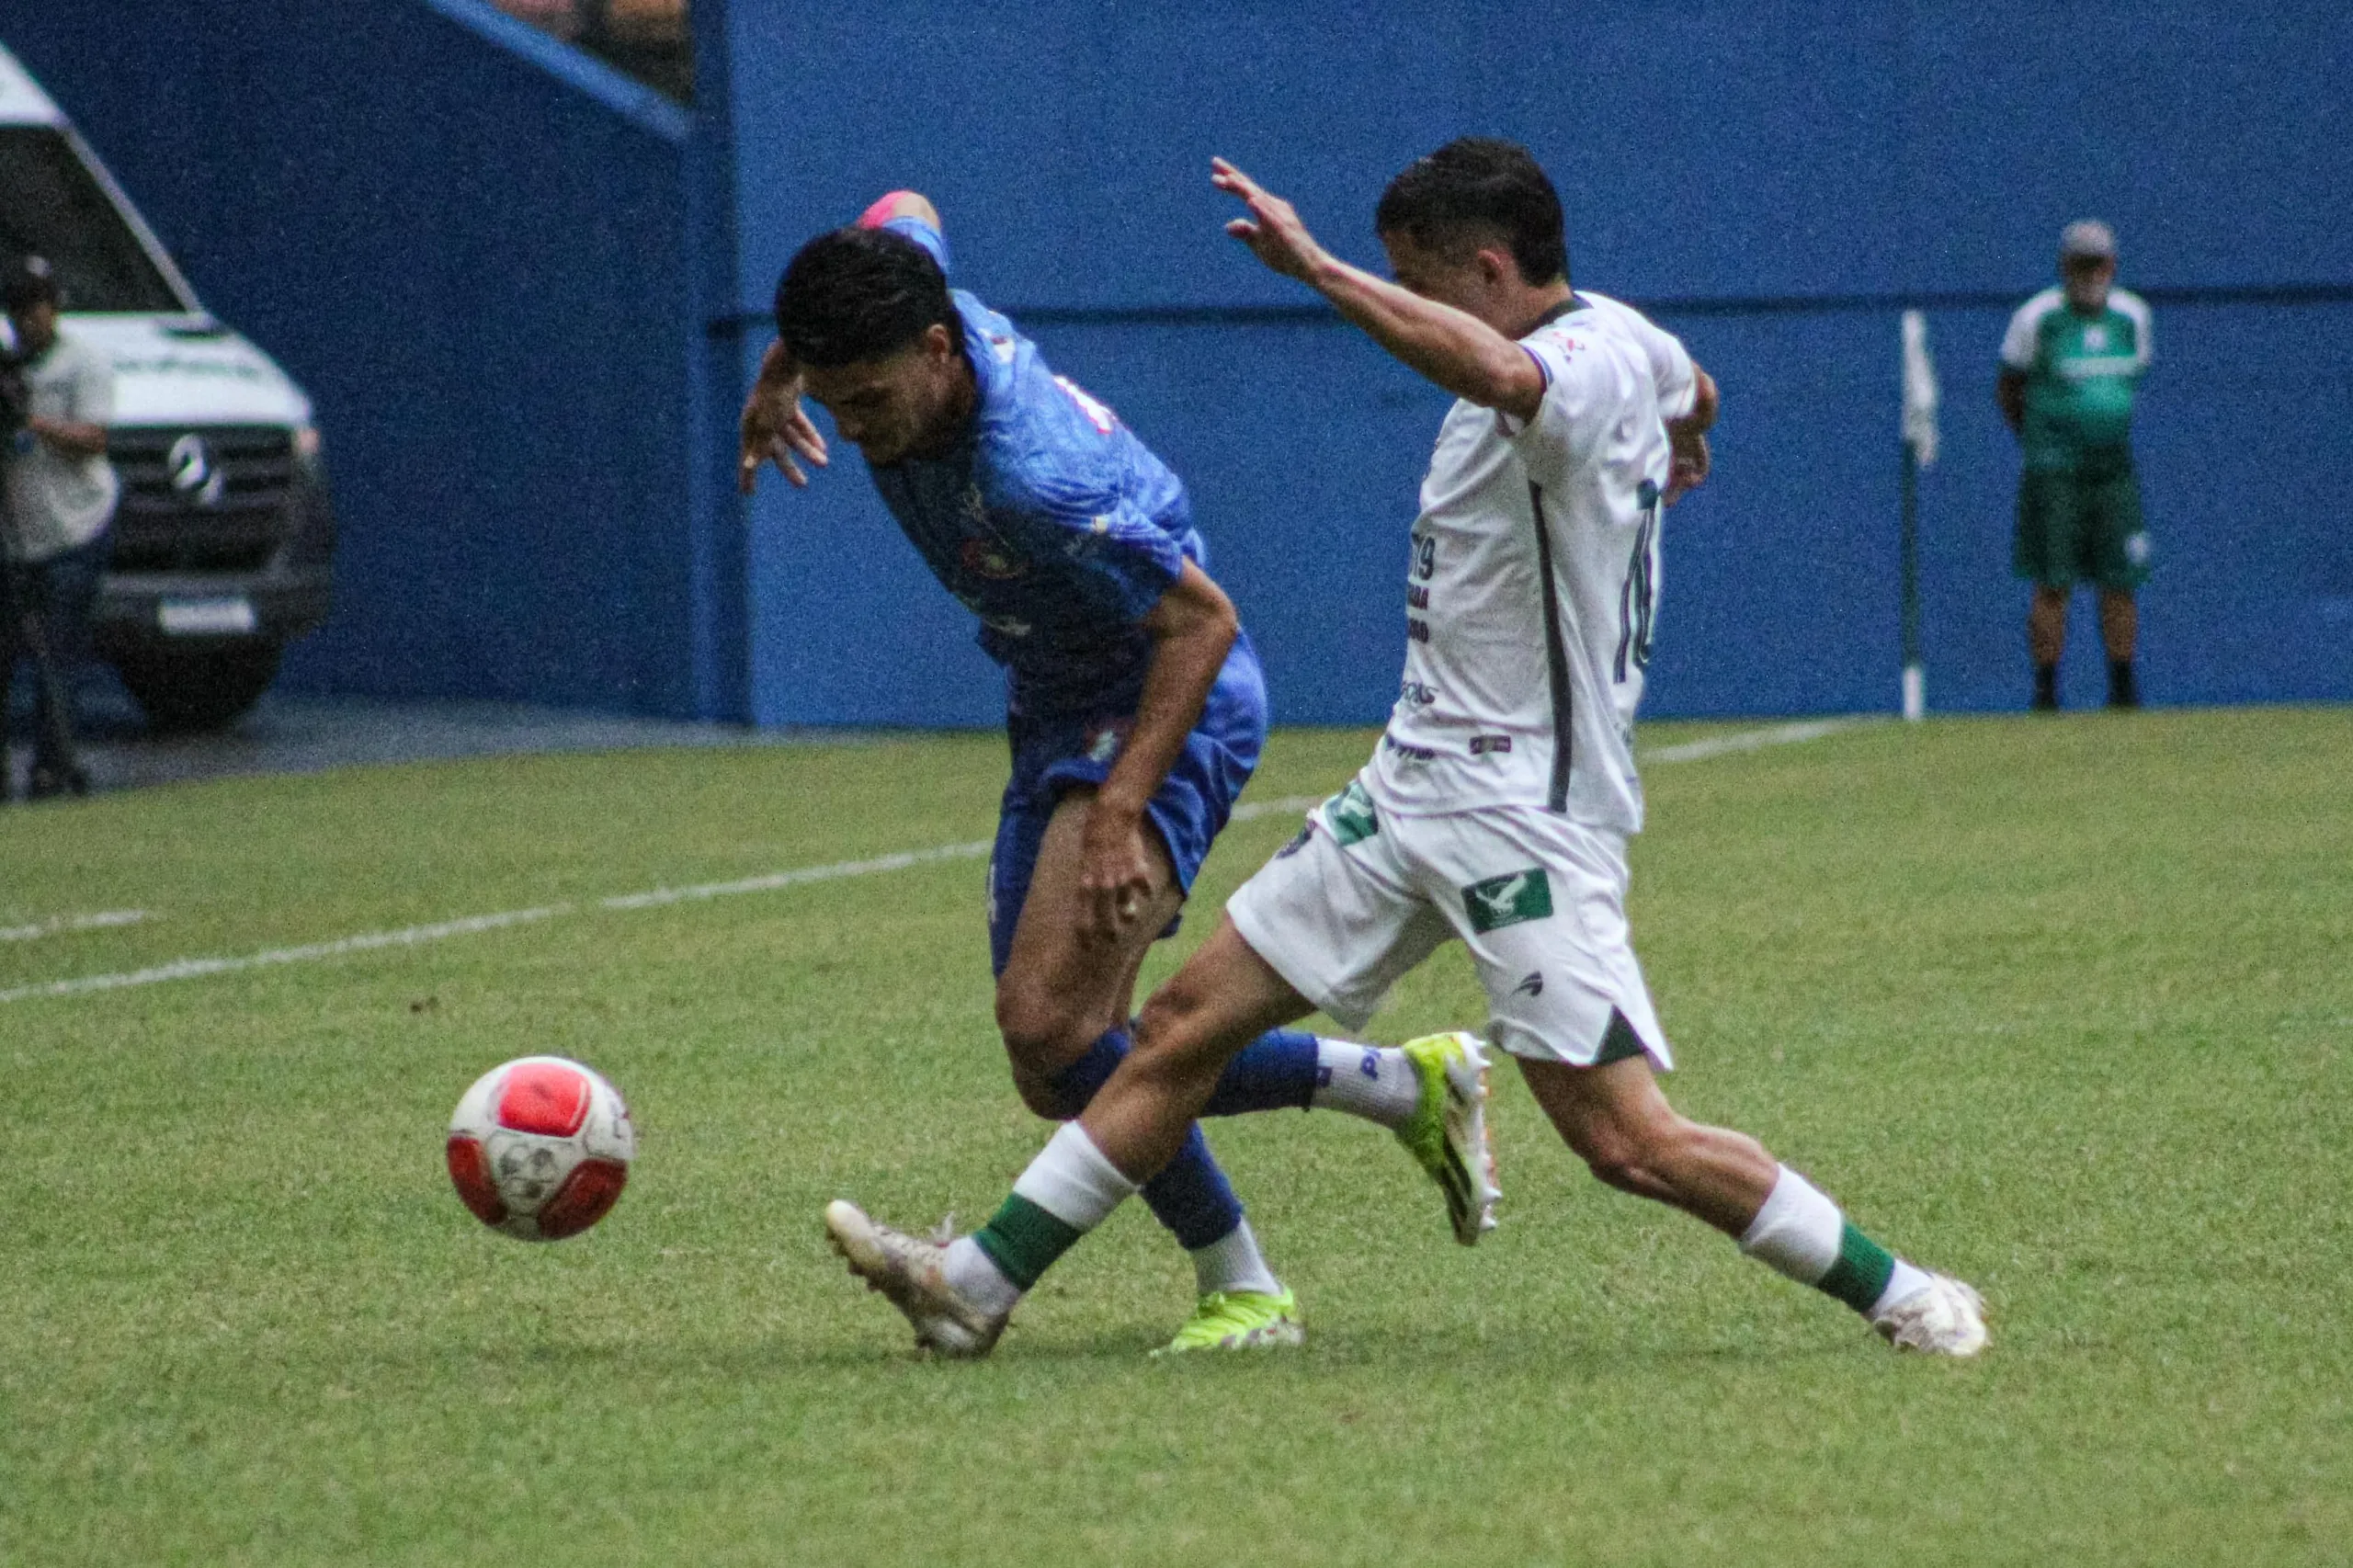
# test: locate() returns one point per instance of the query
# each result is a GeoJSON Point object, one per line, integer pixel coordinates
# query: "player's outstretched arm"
{"type": "Point", "coordinates": [1457, 350]}
{"type": "Point", "coordinates": [775, 427]}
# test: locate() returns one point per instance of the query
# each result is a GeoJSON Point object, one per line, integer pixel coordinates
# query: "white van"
{"type": "Point", "coordinates": [223, 539]}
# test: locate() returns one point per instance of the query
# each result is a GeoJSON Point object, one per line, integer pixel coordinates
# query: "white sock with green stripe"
{"type": "Point", "coordinates": [1800, 1233]}
{"type": "Point", "coordinates": [1068, 1190]}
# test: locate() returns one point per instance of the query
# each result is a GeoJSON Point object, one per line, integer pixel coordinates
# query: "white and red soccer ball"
{"type": "Point", "coordinates": [539, 1148]}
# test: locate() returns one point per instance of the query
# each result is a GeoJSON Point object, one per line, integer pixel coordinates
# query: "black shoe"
{"type": "Point", "coordinates": [2046, 690]}
{"type": "Point", "coordinates": [2123, 689]}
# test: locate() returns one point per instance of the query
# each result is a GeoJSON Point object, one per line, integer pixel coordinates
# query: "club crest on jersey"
{"type": "Point", "coordinates": [1508, 900]}
{"type": "Point", "coordinates": [984, 559]}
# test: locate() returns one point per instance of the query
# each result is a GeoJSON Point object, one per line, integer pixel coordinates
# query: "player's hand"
{"type": "Point", "coordinates": [1273, 231]}
{"type": "Point", "coordinates": [775, 427]}
{"type": "Point", "coordinates": [1115, 871]}
{"type": "Point", "coordinates": [1687, 463]}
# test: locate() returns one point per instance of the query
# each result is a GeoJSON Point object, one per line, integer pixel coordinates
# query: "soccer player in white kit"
{"type": "Point", "coordinates": [1497, 807]}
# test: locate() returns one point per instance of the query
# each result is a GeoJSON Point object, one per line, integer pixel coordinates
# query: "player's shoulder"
{"type": "Point", "coordinates": [2126, 302]}
{"type": "Point", "coordinates": [1613, 312]}
{"type": "Point", "coordinates": [2038, 306]}
{"type": "Point", "coordinates": [1582, 354]}
{"type": "Point", "coordinates": [993, 344]}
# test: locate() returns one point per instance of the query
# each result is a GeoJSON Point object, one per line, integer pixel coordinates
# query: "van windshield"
{"type": "Point", "coordinates": [56, 208]}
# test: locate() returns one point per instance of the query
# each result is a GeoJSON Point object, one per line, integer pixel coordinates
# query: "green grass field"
{"type": "Point", "coordinates": [2061, 1006]}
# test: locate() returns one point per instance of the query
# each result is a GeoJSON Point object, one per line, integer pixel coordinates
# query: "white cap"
{"type": "Point", "coordinates": [2088, 238]}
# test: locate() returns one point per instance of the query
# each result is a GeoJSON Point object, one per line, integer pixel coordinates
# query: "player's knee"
{"type": "Point", "coordinates": [1615, 1164]}
{"type": "Point", "coordinates": [1044, 1094]}
{"type": "Point", "coordinates": [1041, 1031]}
{"type": "Point", "coordinates": [1629, 1153]}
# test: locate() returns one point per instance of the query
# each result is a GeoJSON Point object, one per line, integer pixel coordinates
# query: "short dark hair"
{"type": "Point", "coordinates": [1480, 182]}
{"type": "Point", "coordinates": [859, 294]}
{"type": "Point", "coordinates": [29, 281]}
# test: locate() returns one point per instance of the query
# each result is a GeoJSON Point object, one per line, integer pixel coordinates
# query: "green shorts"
{"type": "Point", "coordinates": [2082, 524]}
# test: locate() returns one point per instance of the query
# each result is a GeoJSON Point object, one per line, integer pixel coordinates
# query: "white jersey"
{"type": "Point", "coordinates": [59, 501]}
{"type": "Point", "coordinates": [1533, 579]}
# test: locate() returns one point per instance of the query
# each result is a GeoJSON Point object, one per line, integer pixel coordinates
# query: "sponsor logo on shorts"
{"type": "Point", "coordinates": [2136, 549]}
{"type": "Point", "coordinates": [1482, 744]}
{"type": "Point", "coordinates": [1410, 753]}
{"type": "Point", "coordinates": [1507, 899]}
{"type": "Point", "coordinates": [1533, 985]}
{"type": "Point", "coordinates": [1348, 816]}
{"type": "Point", "coordinates": [1416, 694]}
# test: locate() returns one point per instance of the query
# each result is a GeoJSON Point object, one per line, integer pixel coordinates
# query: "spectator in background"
{"type": "Point", "coordinates": [2071, 362]}
{"type": "Point", "coordinates": [60, 496]}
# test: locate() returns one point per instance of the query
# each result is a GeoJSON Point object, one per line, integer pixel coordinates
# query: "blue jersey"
{"type": "Point", "coordinates": [1049, 519]}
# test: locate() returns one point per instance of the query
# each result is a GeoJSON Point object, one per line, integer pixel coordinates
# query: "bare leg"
{"type": "Point", "coordinates": [2046, 625]}
{"type": "Point", "coordinates": [2119, 623]}
{"type": "Point", "coordinates": [1619, 1123]}
{"type": "Point", "coordinates": [1224, 997]}
{"type": "Point", "coordinates": [1063, 987]}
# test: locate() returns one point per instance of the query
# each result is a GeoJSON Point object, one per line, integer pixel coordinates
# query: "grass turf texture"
{"type": "Point", "coordinates": [2063, 1006]}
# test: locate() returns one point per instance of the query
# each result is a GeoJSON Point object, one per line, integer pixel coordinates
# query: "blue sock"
{"type": "Point", "coordinates": [1279, 1070]}
{"type": "Point", "coordinates": [1190, 1196]}
{"type": "Point", "coordinates": [1276, 1072]}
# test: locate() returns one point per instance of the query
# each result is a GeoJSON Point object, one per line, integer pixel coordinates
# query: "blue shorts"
{"type": "Point", "coordinates": [1189, 810]}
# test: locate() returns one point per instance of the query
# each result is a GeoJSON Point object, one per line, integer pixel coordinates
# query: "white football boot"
{"type": "Point", "coordinates": [907, 1270]}
{"type": "Point", "coordinates": [1944, 1317]}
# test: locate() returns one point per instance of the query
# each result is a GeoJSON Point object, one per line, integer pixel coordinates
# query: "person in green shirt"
{"type": "Point", "coordinates": [2070, 363]}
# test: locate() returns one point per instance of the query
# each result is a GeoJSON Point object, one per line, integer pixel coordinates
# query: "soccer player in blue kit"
{"type": "Point", "coordinates": [1134, 705]}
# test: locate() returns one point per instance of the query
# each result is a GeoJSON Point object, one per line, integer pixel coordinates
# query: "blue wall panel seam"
{"type": "Point", "coordinates": [633, 101]}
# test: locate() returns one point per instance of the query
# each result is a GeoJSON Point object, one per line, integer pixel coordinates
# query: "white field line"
{"type": "Point", "coordinates": [59, 924]}
{"type": "Point", "coordinates": [1754, 740]}
{"type": "Point", "coordinates": [656, 898]}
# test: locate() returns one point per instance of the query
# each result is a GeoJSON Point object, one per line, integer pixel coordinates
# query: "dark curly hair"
{"type": "Point", "coordinates": [859, 294]}
{"type": "Point", "coordinates": [1480, 182]}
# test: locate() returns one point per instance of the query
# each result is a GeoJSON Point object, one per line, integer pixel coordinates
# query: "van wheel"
{"type": "Point", "coordinates": [190, 691]}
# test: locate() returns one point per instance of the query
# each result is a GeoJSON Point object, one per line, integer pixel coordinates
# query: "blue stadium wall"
{"type": "Point", "coordinates": [481, 253]}
{"type": "Point", "coordinates": [526, 293]}
{"type": "Point", "coordinates": [1780, 181]}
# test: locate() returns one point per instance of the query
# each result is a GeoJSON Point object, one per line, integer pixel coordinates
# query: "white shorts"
{"type": "Point", "coordinates": [1357, 898]}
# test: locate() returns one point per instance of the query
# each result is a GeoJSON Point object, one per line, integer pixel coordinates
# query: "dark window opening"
{"type": "Point", "coordinates": [55, 208]}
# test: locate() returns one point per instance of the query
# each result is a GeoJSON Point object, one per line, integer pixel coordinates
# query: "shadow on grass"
{"type": "Point", "coordinates": [1485, 1354]}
